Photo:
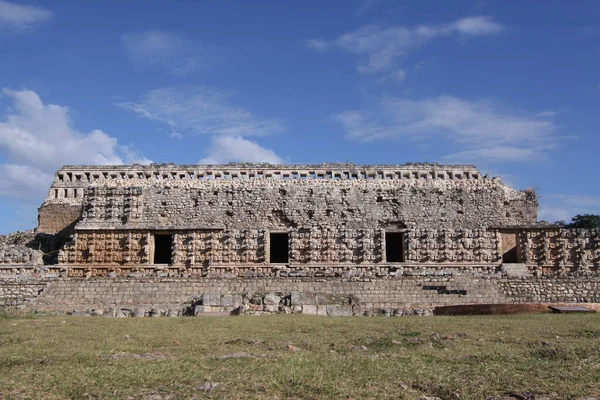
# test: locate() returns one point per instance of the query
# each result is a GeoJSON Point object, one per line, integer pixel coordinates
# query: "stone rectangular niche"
{"type": "Point", "coordinates": [394, 247]}
{"type": "Point", "coordinates": [163, 248]}
{"type": "Point", "coordinates": [278, 248]}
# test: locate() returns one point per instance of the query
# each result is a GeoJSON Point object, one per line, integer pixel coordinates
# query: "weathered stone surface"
{"type": "Point", "coordinates": [516, 270]}
{"type": "Point", "coordinates": [139, 312]}
{"type": "Point", "coordinates": [402, 295]}
{"type": "Point", "coordinates": [272, 308]}
{"type": "Point", "coordinates": [156, 312]}
{"type": "Point", "coordinates": [230, 300]}
{"type": "Point", "coordinates": [211, 299]}
{"type": "Point", "coordinates": [20, 248]}
{"type": "Point", "coordinates": [309, 309]}
{"type": "Point", "coordinates": [271, 299]}
{"type": "Point", "coordinates": [123, 313]}
{"type": "Point", "coordinates": [59, 217]}
{"type": "Point", "coordinates": [338, 310]}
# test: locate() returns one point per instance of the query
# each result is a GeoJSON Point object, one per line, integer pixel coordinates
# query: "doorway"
{"type": "Point", "coordinates": [278, 248]}
{"type": "Point", "coordinates": [162, 248]}
{"type": "Point", "coordinates": [510, 253]}
{"type": "Point", "coordinates": [394, 247]}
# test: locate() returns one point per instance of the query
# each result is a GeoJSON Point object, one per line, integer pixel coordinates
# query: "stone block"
{"type": "Point", "coordinates": [336, 310]}
{"type": "Point", "coordinates": [110, 312]}
{"type": "Point", "coordinates": [308, 299]}
{"type": "Point", "coordinates": [515, 270]}
{"type": "Point", "coordinates": [255, 299]}
{"type": "Point", "coordinates": [211, 299]}
{"type": "Point", "coordinates": [201, 309]}
{"type": "Point", "coordinates": [320, 299]}
{"type": "Point", "coordinates": [273, 308]}
{"type": "Point", "coordinates": [271, 299]}
{"type": "Point", "coordinates": [139, 312]}
{"type": "Point", "coordinates": [123, 313]}
{"type": "Point", "coordinates": [231, 300]}
{"type": "Point", "coordinates": [309, 309]}
{"type": "Point", "coordinates": [295, 298]}
{"type": "Point", "coordinates": [156, 312]}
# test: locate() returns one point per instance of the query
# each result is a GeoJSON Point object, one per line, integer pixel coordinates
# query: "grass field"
{"type": "Point", "coordinates": [297, 356]}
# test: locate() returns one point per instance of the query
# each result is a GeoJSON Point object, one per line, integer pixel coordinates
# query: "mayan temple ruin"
{"type": "Point", "coordinates": [386, 237]}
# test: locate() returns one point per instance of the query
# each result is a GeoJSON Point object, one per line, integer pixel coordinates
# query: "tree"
{"type": "Point", "coordinates": [584, 221]}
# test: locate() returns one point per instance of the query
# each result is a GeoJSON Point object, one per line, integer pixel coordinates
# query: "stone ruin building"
{"type": "Point", "coordinates": [265, 218]}
{"type": "Point", "coordinates": [277, 222]}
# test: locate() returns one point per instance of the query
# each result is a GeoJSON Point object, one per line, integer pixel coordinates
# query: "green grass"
{"type": "Point", "coordinates": [299, 357]}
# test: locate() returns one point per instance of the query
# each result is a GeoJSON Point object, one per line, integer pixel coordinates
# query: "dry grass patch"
{"type": "Point", "coordinates": [300, 357]}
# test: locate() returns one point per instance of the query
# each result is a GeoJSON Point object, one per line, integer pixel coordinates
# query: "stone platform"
{"type": "Point", "coordinates": [359, 295]}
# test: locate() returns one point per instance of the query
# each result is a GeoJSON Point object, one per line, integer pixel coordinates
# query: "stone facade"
{"type": "Point", "coordinates": [230, 219]}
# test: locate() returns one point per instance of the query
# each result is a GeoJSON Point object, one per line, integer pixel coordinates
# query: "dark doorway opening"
{"type": "Point", "coordinates": [278, 249]}
{"type": "Point", "coordinates": [162, 249]}
{"type": "Point", "coordinates": [394, 247]}
{"type": "Point", "coordinates": [510, 243]}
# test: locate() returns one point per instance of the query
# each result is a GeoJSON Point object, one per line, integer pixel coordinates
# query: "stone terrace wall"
{"type": "Point", "coordinates": [425, 292]}
{"type": "Point", "coordinates": [20, 292]}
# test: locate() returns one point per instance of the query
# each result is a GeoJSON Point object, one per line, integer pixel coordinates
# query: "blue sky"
{"type": "Point", "coordinates": [512, 87]}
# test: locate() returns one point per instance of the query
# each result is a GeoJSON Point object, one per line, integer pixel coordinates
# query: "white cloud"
{"type": "Point", "coordinates": [235, 148]}
{"type": "Point", "coordinates": [165, 50]}
{"type": "Point", "coordinates": [36, 139]}
{"type": "Point", "coordinates": [381, 48]}
{"type": "Point", "coordinates": [23, 181]}
{"type": "Point", "coordinates": [202, 111]}
{"type": "Point", "coordinates": [483, 131]}
{"type": "Point", "coordinates": [475, 26]}
{"type": "Point", "coordinates": [19, 17]}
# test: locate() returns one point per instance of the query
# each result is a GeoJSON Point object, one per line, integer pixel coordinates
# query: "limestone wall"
{"type": "Point", "coordinates": [244, 196]}
{"type": "Point", "coordinates": [56, 218]}
{"type": "Point", "coordinates": [270, 204]}
{"type": "Point", "coordinates": [20, 292]}
{"type": "Point", "coordinates": [175, 294]}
